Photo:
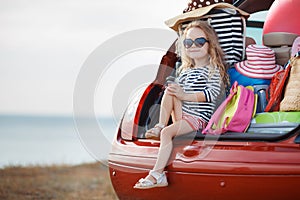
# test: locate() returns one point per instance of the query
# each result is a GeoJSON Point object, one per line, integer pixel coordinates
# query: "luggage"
{"type": "Point", "coordinates": [230, 28]}
{"type": "Point", "coordinates": [276, 89]}
{"type": "Point", "coordinates": [291, 99]}
{"type": "Point", "coordinates": [260, 91]}
{"type": "Point", "coordinates": [235, 112]}
{"type": "Point", "coordinates": [274, 122]}
{"type": "Point", "coordinates": [277, 117]}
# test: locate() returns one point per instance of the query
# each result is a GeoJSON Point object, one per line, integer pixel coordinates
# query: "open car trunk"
{"type": "Point", "coordinates": [263, 163]}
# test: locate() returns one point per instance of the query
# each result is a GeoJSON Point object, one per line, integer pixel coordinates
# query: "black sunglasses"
{"type": "Point", "coordinates": [199, 42]}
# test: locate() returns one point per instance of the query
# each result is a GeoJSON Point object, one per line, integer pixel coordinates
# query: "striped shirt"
{"type": "Point", "coordinates": [196, 80]}
{"type": "Point", "coordinates": [230, 28]}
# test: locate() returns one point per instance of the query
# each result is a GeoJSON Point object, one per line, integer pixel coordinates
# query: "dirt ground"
{"type": "Point", "coordinates": [86, 181]}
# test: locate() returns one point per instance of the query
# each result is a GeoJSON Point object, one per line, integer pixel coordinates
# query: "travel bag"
{"type": "Point", "coordinates": [274, 122]}
{"type": "Point", "coordinates": [235, 112]}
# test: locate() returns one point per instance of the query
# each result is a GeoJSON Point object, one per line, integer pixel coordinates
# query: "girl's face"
{"type": "Point", "coordinates": [194, 51]}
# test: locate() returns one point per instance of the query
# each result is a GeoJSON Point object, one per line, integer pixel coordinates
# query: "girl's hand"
{"type": "Point", "coordinates": [175, 90]}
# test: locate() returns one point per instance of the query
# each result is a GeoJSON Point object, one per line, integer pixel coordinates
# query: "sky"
{"type": "Point", "coordinates": [44, 43]}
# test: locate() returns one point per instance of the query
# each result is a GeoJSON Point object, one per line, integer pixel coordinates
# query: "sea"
{"type": "Point", "coordinates": [27, 140]}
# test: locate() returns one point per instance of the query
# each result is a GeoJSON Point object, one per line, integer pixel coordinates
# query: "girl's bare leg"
{"type": "Point", "coordinates": [177, 110]}
{"type": "Point", "coordinates": [180, 127]}
{"type": "Point", "coordinates": [170, 105]}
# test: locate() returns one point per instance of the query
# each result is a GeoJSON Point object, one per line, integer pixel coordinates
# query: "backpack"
{"type": "Point", "coordinates": [235, 112]}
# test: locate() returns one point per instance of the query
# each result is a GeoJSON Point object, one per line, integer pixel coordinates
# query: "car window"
{"type": "Point", "coordinates": [255, 26]}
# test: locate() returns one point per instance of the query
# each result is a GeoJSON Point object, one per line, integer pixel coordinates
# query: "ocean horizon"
{"type": "Point", "coordinates": [49, 140]}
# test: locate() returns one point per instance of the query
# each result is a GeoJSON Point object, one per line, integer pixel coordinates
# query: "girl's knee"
{"type": "Point", "coordinates": [166, 134]}
{"type": "Point", "coordinates": [167, 96]}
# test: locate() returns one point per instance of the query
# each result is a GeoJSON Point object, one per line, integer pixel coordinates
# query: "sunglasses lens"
{"type": "Point", "coordinates": [199, 42]}
{"type": "Point", "coordinates": [188, 43]}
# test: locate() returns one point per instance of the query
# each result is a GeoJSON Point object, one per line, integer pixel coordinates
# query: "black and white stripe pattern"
{"type": "Point", "coordinates": [230, 28]}
{"type": "Point", "coordinates": [201, 80]}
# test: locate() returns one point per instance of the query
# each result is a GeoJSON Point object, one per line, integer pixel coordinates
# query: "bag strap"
{"type": "Point", "coordinates": [218, 113]}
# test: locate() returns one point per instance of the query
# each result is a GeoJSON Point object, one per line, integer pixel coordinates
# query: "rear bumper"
{"type": "Point", "coordinates": [197, 185]}
{"type": "Point", "coordinates": [231, 170]}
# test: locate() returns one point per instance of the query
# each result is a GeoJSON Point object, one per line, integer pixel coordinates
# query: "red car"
{"type": "Point", "coordinates": [263, 164]}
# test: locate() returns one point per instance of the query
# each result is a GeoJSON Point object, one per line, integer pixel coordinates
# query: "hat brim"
{"type": "Point", "coordinates": [247, 70]}
{"type": "Point", "coordinates": [174, 22]}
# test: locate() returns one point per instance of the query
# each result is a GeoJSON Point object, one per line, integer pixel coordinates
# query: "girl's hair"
{"type": "Point", "coordinates": [216, 55]}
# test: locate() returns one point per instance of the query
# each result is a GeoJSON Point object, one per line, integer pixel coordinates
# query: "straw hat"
{"type": "Point", "coordinates": [291, 100]}
{"type": "Point", "coordinates": [197, 9]}
{"type": "Point", "coordinates": [260, 62]}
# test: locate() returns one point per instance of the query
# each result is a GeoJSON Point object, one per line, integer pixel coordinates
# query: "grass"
{"type": "Point", "coordinates": [86, 181]}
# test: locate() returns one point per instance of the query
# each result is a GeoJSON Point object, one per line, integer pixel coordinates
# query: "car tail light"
{"type": "Point", "coordinates": [130, 121]}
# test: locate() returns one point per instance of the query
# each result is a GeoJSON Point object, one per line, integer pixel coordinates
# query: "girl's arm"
{"type": "Point", "coordinates": [176, 90]}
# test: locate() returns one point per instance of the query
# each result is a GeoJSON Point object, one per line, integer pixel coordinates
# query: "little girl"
{"type": "Point", "coordinates": [192, 101]}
